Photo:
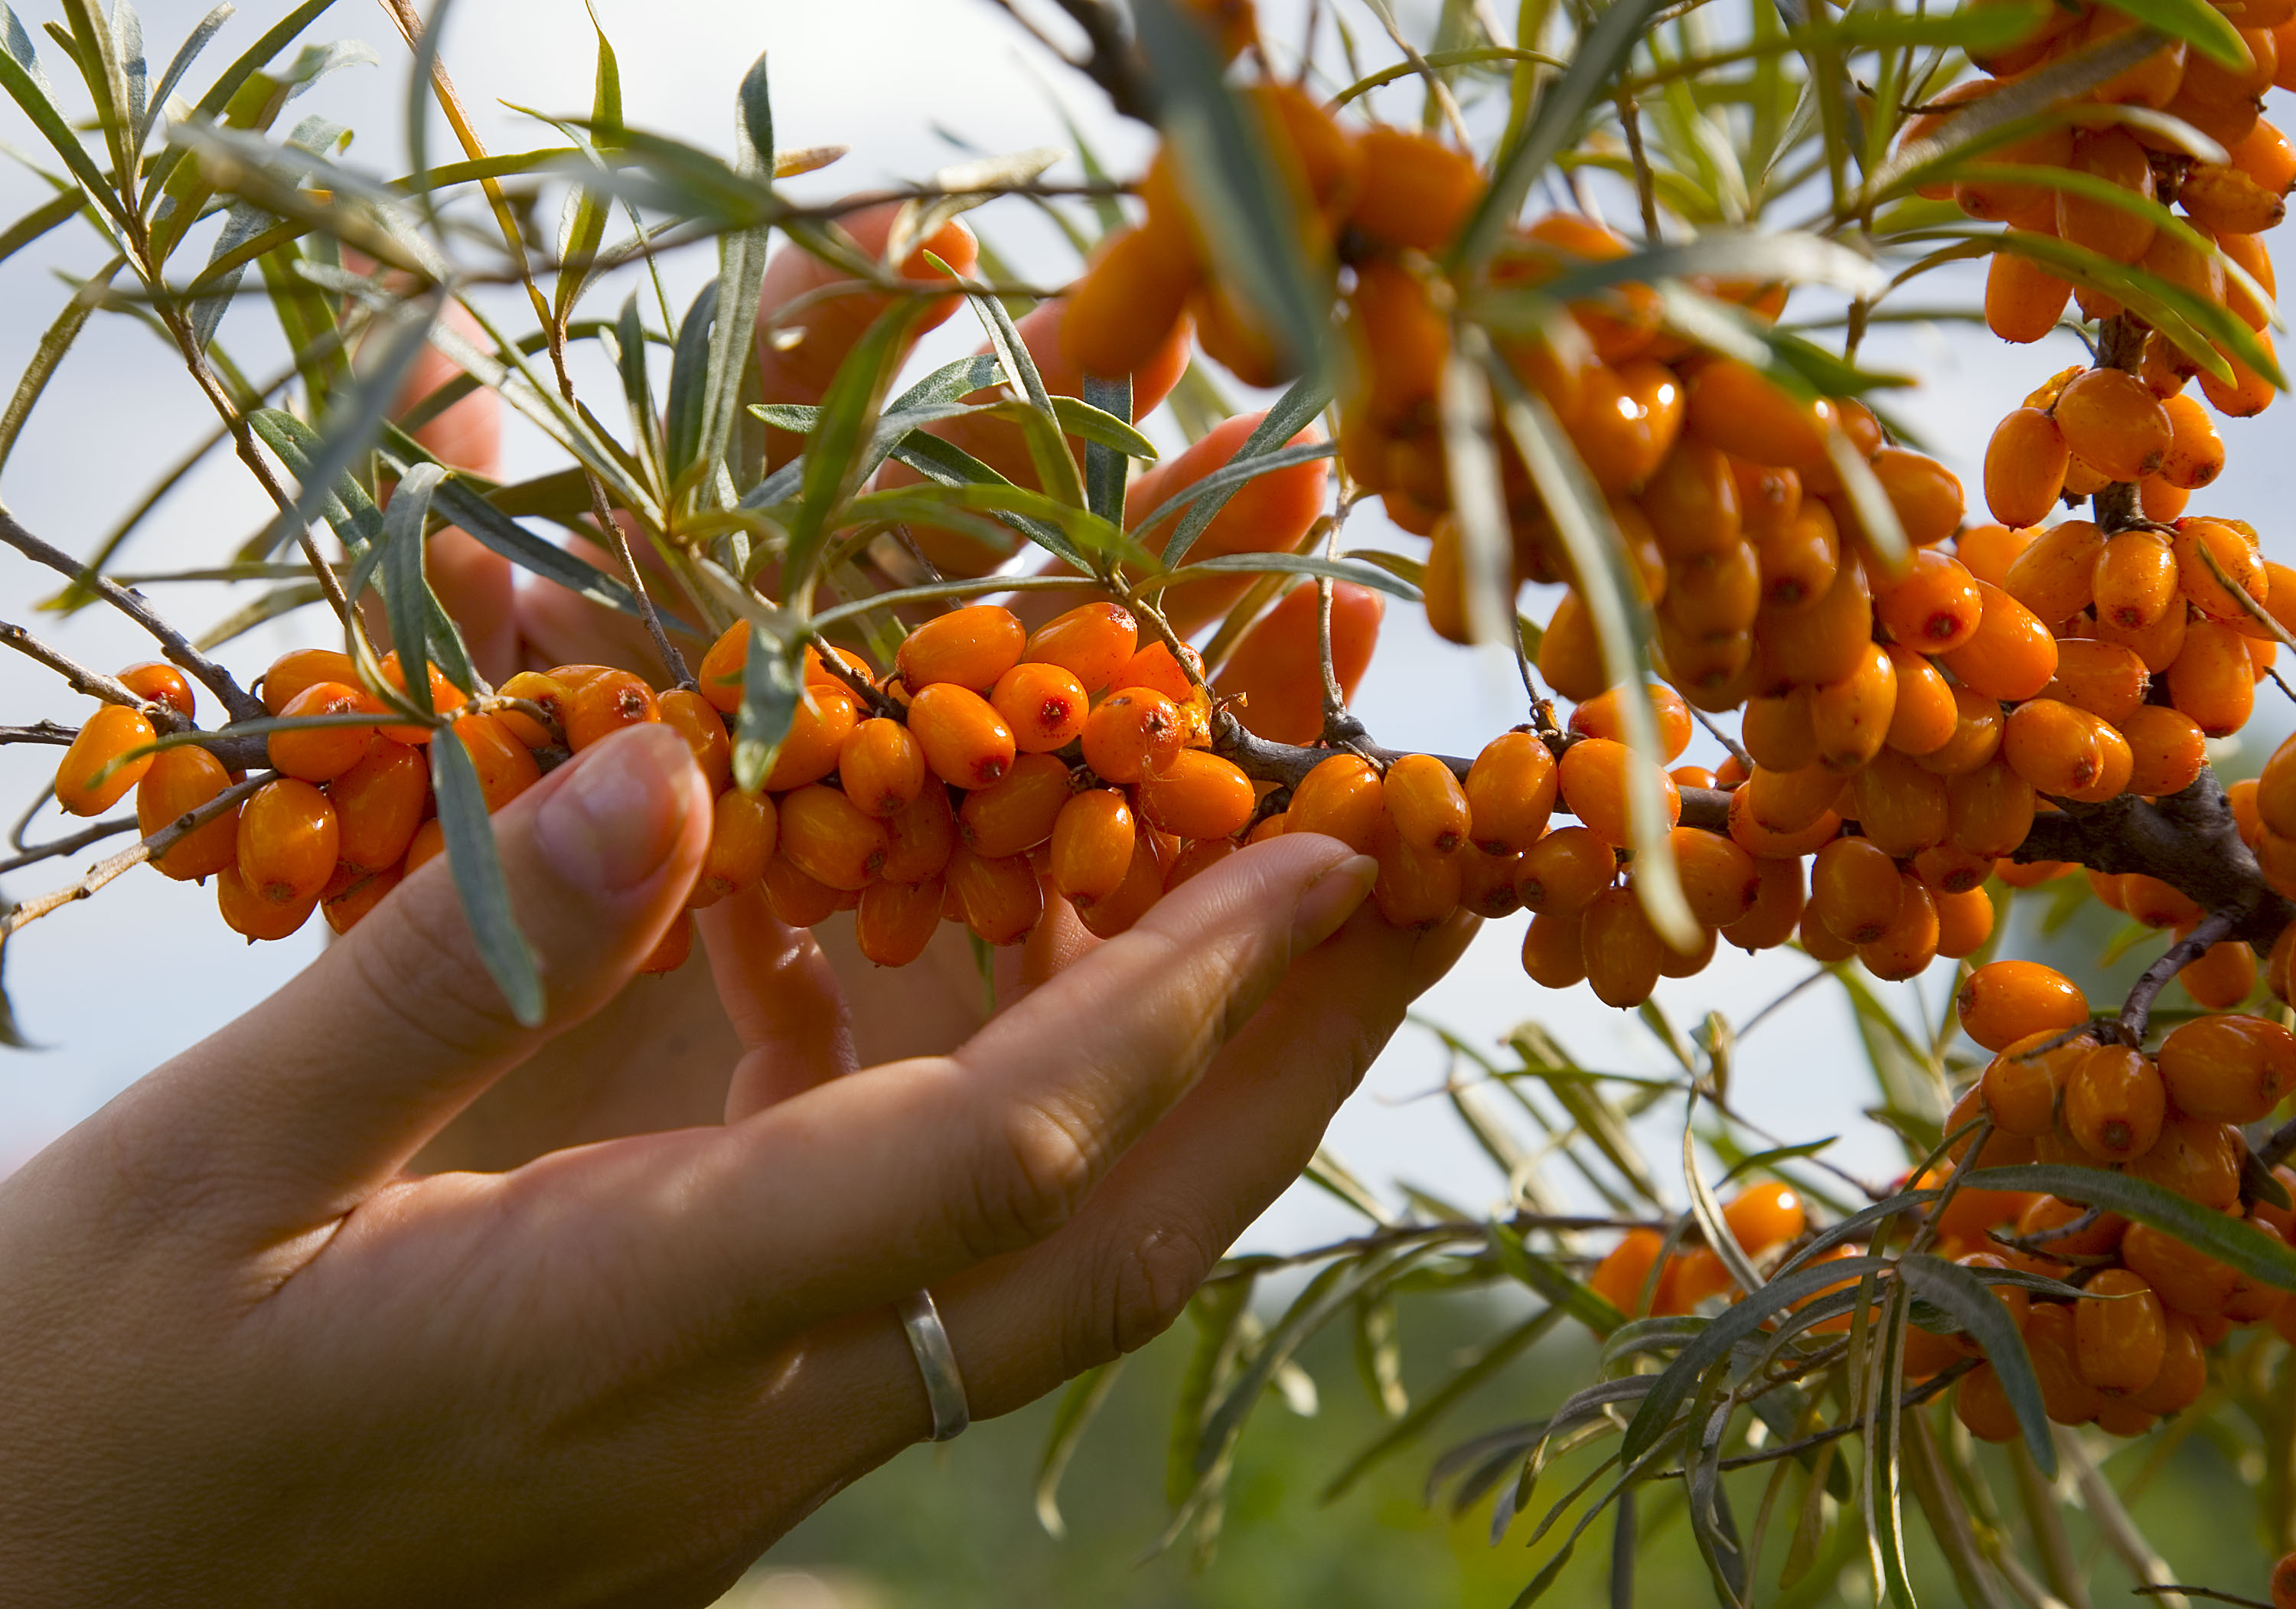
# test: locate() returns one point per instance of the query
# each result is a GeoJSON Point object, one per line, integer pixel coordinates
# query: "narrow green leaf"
{"type": "Point", "coordinates": [770, 691]}
{"type": "Point", "coordinates": [1589, 535]}
{"type": "Point", "coordinates": [1708, 1211]}
{"type": "Point", "coordinates": [2234, 1242]}
{"type": "Point", "coordinates": [742, 274]}
{"type": "Point", "coordinates": [849, 412]}
{"type": "Point", "coordinates": [1106, 463]}
{"type": "Point", "coordinates": [689, 372]}
{"type": "Point", "coordinates": [1216, 1310]}
{"type": "Point", "coordinates": [1735, 1324]}
{"type": "Point", "coordinates": [1079, 1405]}
{"type": "Point", "coordinates": [185, 54]}
{"type": "Point", "coordinates": [1269, 439]}
{"type": "Point", "coordinates": [269, 606]}
{"type": "Point", "coordinates": [1969, 1300]}
{"type": "Point", "coordinates": [1286, 563]}
{"type": "Point", "coordinates": [1479, 503]}
{"type": "Point", "coordinates": [1482, 1364]}
{"type": "Point", "coordinates": [405, 589]}
{"type": "Point", "coordinates": [1792, 258]}
{"type": "Point", "coordinates": [1602, 52]}
{"type": "Point", "coordinates": [2199, 24]}
{"type": "Point", "coordinates": [585, 226]}
{"type": "Point", "coordinates": [1101, 426]}
{"type": "Point", "coordinates": [1582, 1302]}
{"type": "Point", "coordinates": [1233, 185]}
{"type": "Point", "coordinates": [479, 878]}
{"type": "Point", "coordinates": [32, 96]}
{"type": "Point", "coordinates": [38, 221]}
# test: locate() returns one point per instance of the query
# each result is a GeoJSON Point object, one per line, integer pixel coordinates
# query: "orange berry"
{"type": "Point", "coordinates": [1925, 715]}
{"type": "Point", "coordinates": [1978, 724]}
{"type": "Point", "coordinates": [250, 913]}
{"type": "Point", "coordinates": [2184, 1372]}
{"type": "Point", "coordinates": [93, 774]}
{"type": "Point", "coordinates": [1823, 642]}
{"type": "Point", "coordinates": [1426, 803]}
{"type": "Point", "coordinates": [2119, 1332]}
{"type": "Point", "coordinates": [1691, 501]}
{"type": "Point", "coordinates": [2196, 542]}
{"type": "Point", "coordinates": [796, 899]}
{"type": "Point", "coordinates": [1851, 718]}
{"type": "Point", "coordinates": [971, 647]}
{"type": "Point", "coordinates": [428, 843]}
{"type": "Point", "coordinates": [1342, 798]}
{"type": "Point", "coordinates": [292, 672]}
{"type": "Point", "coordinates": [722, 669]}
{"type": "Point", "coordinates": [1934, 607]}
{"type": "Point", "coordinates": [881, 767]}
{"type": "Point", "coordinates": [1906, 948]}
{"type": "Point", "coordinates": [2113, 423]}
{"type": "Point", "coordinates": [444, 696]}
{"type": "Point", "coordinates": [1777, 909]}
{"type": "Point", "coordinates": [2103, 678]}
{"type": "Point", "coordinates": [744, 829]}
{"type": "Point", "coordinates": [1626, 422]}
{"type": "Point", "coordinates": [1604, 716]}
{"type": "Point", "coordinates": [920, 839]}
{"type": "Point", "coordinates": [1902, 810]}
{"type": "Point", "coordinates": [1562, 872]}
{"type": "Point", "coordinates": [2153, 903]}
{"type": "Point", "coordinates": [1719, 880]}
{"type": "Point", "coordinates": [1623, 953]}
{"type": "Point", "coordinates": [179, 781]}
{"type": "Point", "coordinates": [157, 682]}
{"type": "Point", "coordinates": [2065, 751]}
{"type": "Point", "coordinates": [1747, 415]}
{"type": "Point", "coordinates": [2196, 453]}
{"type": "Point", "coordinates": [506, 767]}
{"type": "Point", "coordinates": [2224, 976]}
{"type": "Point", "coordinates": [2005, 1001]}
{"type": "Point", "coordinates": [346, 909]}
{"type": "Point", "coordinates": [696, 719]}
{"type": "Point", "coordinates": [2213, 679]}
{"type": "Point", "coordinates": [2166, 750]}
{"type": "Point", "coordinates": [1123, 307]}
{"type": "Point", "coordinates": [1043, 704]}
{"type": "Point", "coordinates": [2020, 1087]}
{"type": "Point", "coordinates": [2023, 301]}
{"type": "Point", "coordinates": [379, 805]}
{"type": "Point", "coordinates": [1926, 496]}
{"type": "Point", "coordinates": [1964, 922]}
{"type": "Point", "coordinates": [2055, 576]}
{"type": "Point", "coordinates": [1001, 898]}
{"type": "Point", "coordinates": [2233, 1069]}
{"type": "Point", "coordinates": [1134, 897]}
{"type": "Point", "coordinates": [1274, 668]}
{"type": "Point", "coordinates": [2248, 393]}
{"type": "Point", "coordinates": [966, 743]}
{"type": "Point", "coordinates": [1018, 812]}
{"type": "Point", "coordinates": [1416, 887]}
{"type": "Point", "coordinates": [1624, 1275]}
{"type": "Point", "coordinates": [2136, 579]}
{"type": "Point", "coordinates": [2011, 655]}
{"type": "Point", "coordinates": [1416, 191]}
{"type": "Point", "coordinates": [1594, 778]}
{"type": "Point", "coordinates": [604, 705]}
{"type": "Point", "coordinates": [1855, 890]}
{"type": "Point", "coordinates": [895, 921]}
{"type": "Point", "coordinates": [1988, 811]}
{"type": "Point", "coordinates": [823, 720]}
{"type": "Point", "coordinates": [1511, 791]}
{"type": "Point", "coordinates": [1982, 1405]}
{"type": "Point", "coordinates": [286, 842]}
{"type": "Point", "coordinates": [2114, 1104]}
{"type": "Point", "coordinates": [1091, 642]}
{"type": "Point", "coordinates": [549, 694]}
{"type": "Point", "coordinates": [826, 836]}
{"type": "Point", "coordinates": [1092, 845]}
{"type": "Point", "coordinates": [1798, 561]}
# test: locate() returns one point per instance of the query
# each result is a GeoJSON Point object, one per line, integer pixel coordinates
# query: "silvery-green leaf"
{"type": "Point", "coordinates": [479, 878]}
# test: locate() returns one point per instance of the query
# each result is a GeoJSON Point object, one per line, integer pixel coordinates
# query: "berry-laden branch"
{"type": "Point", "coordinates": [80, 679]}
{"type": "Point", "coordinates": [149, 848]}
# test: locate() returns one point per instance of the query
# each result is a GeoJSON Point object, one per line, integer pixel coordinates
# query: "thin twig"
{"type": "Point", "coordinates": [241, 704]}
{"type": "Point", "coordinates": [40, 732]}
{"type": "Point", "coordinates": [80, 679]}
{"type": "Point", "coordinates": [71, 843]}
{"type": "Point", "coordinates": [2136, 1011]}
{"type": "Point", "coordinates": [150, 848]}
{"type": "Point", "coordinates": [1645, 183]}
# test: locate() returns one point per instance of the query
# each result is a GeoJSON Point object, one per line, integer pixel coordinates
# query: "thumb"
{"type": "Point", "coordinates": [323, 1092]}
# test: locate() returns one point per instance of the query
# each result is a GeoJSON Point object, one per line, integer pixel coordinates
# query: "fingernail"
{"type": "Point", "coordinates": [1330, 900]}
{"type": "Point", "coordinates": [620, 813]}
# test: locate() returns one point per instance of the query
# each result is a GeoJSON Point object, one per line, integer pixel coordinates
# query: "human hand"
{"type": "Point", "coordinates": [252, 1362]}
{"type": "Point", "coordinates": [656, 1057]}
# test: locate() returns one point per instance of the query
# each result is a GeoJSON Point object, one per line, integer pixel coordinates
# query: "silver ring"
{"type": "Point", "coordinates": [936, 1363]}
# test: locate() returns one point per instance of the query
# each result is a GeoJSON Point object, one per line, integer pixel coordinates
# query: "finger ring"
{"type": "Point", "coordinates": [936, 1363]}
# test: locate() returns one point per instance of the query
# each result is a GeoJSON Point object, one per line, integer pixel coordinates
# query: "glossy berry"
{"type": "Point", "coordinates": [966, 743]}
{"type": "Point", "coordinates": [970, 647]}
{"type": "Point", "coordinates": [96, 772]}
{"type": "Point", "coordinates": [695, 719]}
{"type": "Point", "coordinates": [157, 682]}
{"type": "Point", "coordinates": [1200, 795]}
{"type": "Point", "coordinates": [1511, 791]}
{"type": "Point", "coordinates": [1132, 734]}
{"type": "Point", "coordinates": [286, 842]}
{"type": "Point", "coordinates": [2004, 1001]}
{"type": "Point", "coordinates": [1045, 705]}
{"type": "Point", "coordinates": [180, 780]}
{"type": "Point", "coordinates": [744, 829]}
{"type": "Point", "coordinates": [826, 836]}
{"type": "Point", "coordinates": [605, 704]}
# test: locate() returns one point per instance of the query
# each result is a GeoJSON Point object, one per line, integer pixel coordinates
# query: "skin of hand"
{"type": "Point", "coordinates": [253, 1360]}
{"type": "Point", "coordinates": [655, 1058]}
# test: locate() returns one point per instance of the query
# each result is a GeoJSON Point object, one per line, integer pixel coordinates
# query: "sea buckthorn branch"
{"type": "Point", "coordinates": [2189, 841]}
{"type": "Point", "coordinates": [2120, 346]}
{"type": "Point", "coordinates": [236, 700]}
{"type": "Point", "coordinates": [80, 679]}
{"type": "Point", "coordinates": [71, 843]}
{"type": "Point", "coordinates": [40, 732]}
{"type": "Point", "coordinates": [159, 844]}
{"type": "Point", "coordinates": [2136, 1011]}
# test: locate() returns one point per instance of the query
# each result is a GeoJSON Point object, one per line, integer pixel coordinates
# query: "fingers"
{"type": "Point", "coordinates": [1268, 514]}
{"type": "Point", "coordinates": [999, 444]}
{"type": "Point", "coordinates": [1123, 1270]}
{"type": "Point", "coordinates": [869, 1186]}
{"type": "Point", "coordinates": [802, 335]}
{"type": "Point", "coordinates": [782, 996]}
{"type": "Point", "coordinates": [326, 1089]}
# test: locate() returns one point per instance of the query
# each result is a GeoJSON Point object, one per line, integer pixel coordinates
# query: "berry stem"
{"type": "Point", "coordinates": [94, 684]}
{"type": "Point", "coordinates": [2136, 1011]}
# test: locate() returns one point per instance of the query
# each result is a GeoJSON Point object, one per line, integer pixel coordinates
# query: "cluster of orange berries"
{"type": "Point", "coordinates": [2230, 204]}
{"type": "Point", "coordinates": [2134, 1346]}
